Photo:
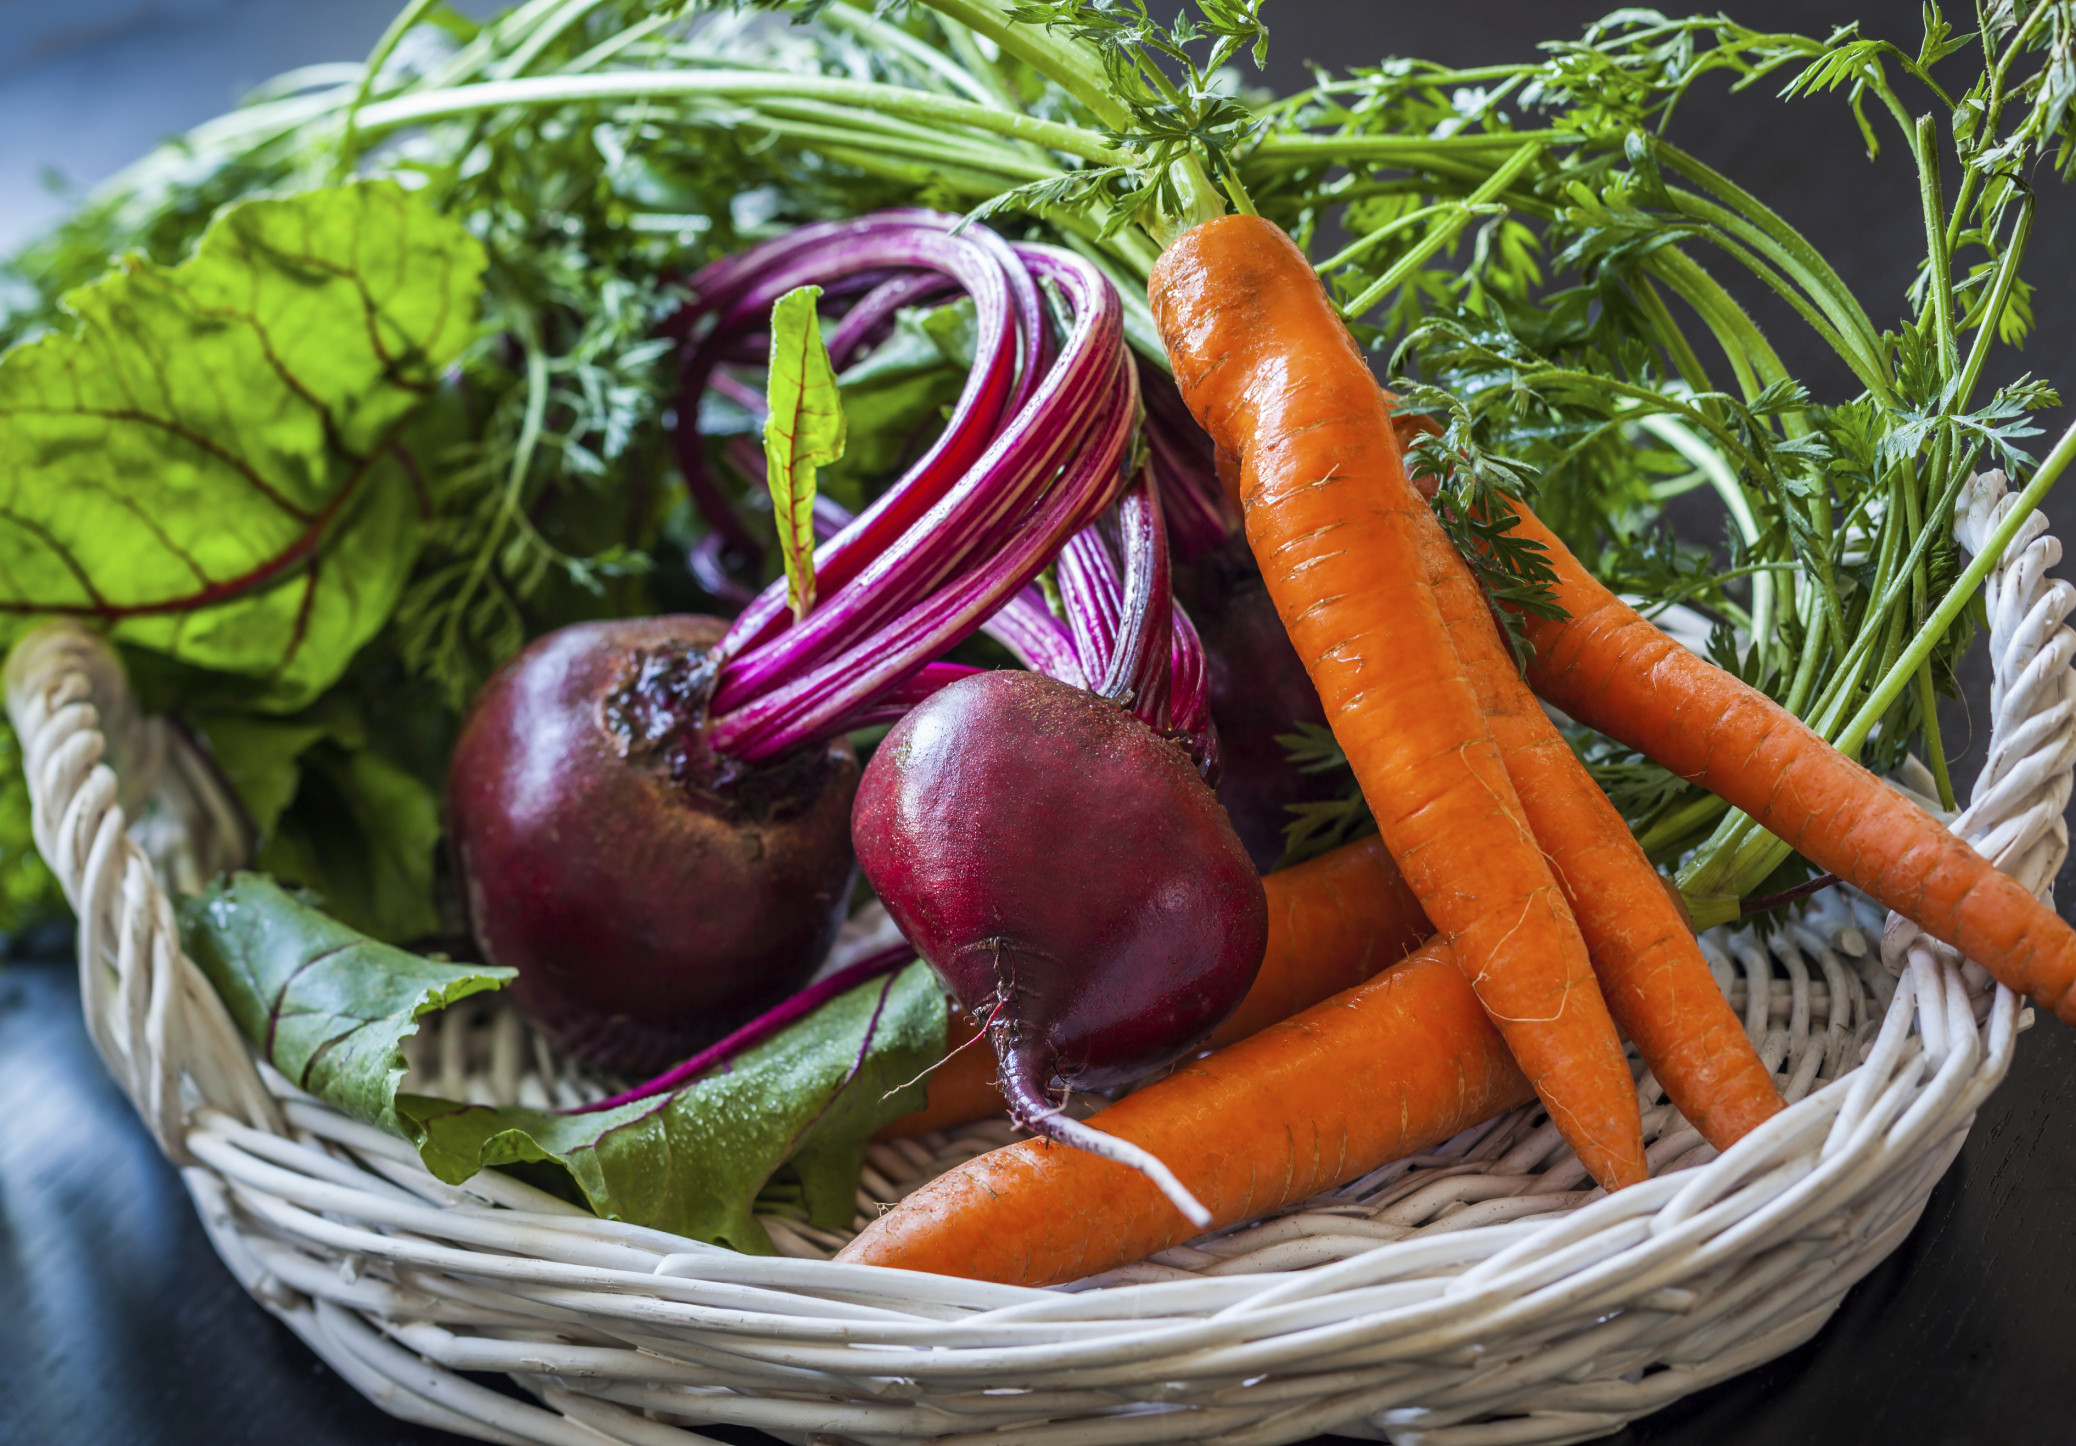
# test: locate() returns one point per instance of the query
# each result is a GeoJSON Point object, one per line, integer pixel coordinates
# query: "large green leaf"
{"type": "Point", "coordinates": [693, 1162]}
{"type": "Point", "coordinates": [328, 1006]}
{"type": "Point", "coordinates": [363, 833]}
{"type": "Point", "coordinates": [330, 1009]}
{"type": "Point", "coordinates": [803, 430]}
{"type": "Point", "coordinates": [210, 462]}
{"type": "Point", "coordinates": [29, 891]}
{"type": "Point", "coordinates": [336, 811]}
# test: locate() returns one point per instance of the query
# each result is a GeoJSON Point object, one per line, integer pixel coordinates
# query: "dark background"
{"type": "Point", "coordinates": [119, 1326]}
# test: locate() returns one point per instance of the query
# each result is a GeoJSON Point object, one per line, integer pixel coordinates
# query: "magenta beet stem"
{"type": "Point", "coordinates": [703, 561]}
{"type": "Point", "coordinates": [768, 272]}
{"type": "Point", "coordinates": [1140, 667]}
{"type": "Point", "coordinates": [1091, 593]}
{"type": "Point", "coordinates": [813, 705]}
{"type": "Point", "coordinates": [872, 966]}
{"type": "Point", "coordinates": [1024, 624]}
{"type": "Point", "coordinates": [974, 424]}
{"type": "Point", "coordinates": [965, 522]}
{"type": "Point", "coordinates": [892, 705]}
{"type": "Point", "coordinates": [1189, 709]}
{"type": "Point", "coordinates": [867, 323]}
{"type": "Point", "coordinates": [1035, 638]}
{"type": "Point", "coordinates": [739, 392]}
{"type": "Point", "coordinates": [928, 538]}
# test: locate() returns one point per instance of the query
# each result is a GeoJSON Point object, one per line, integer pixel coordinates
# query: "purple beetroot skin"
{"type": "Point", "coordinates": [1257, 691]}
{"type": "Point", "coordinates": [1071, 879]}
{"type": "Point", "coordinates": [651, 896]}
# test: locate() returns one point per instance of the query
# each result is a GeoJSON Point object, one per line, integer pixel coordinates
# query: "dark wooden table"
{"type": "Point", "coordinates": [118, 1326]}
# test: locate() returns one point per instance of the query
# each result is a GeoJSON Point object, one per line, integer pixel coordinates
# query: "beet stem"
{"type": "Point", "coordinates": [1091, 593]}
{"type": "Point", "coordinates": [1140, 666]}
{"type": "Point", "coordinates": [1023, 1086]}
{"type": "Point", "coordinates": [872, 966]}
{"type": "Point", "coordinates": [1023, 625]}
{"type": "Point", "coordinates": [818, 703]}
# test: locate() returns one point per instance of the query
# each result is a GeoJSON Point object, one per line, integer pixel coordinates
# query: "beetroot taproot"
{"type": "Point", "coordinates": [652, 895]}
{"type": "Point", "coordinates": [1071, 879]}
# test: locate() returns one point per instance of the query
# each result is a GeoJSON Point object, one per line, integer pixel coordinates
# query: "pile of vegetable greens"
{"type": "Point", "coordinates": [323, 410]}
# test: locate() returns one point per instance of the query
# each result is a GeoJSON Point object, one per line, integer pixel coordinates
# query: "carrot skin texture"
{"type": "Point", "coordinates": [1268, 370]}
{"type": "Point", "coordinates": [1376, 1073]}
{"type": "Point", "coordinates": [1334, 921]}
{"type": "Point", "coordinates": [1657, 984]}
{"type": "Point", "coordinates": [1608, 667]}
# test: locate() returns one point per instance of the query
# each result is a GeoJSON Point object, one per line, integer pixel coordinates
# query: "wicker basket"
{"type": "Point", "coordinates": [1479, 1294]}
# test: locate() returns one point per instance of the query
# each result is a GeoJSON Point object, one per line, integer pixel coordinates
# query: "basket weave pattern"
{"type": "Point", "coordinates": [1476, 1296]}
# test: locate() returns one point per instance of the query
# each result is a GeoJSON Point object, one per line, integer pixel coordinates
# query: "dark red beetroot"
{"type": "Point", "coordinates": [651, 896]}
{"type": "Point", "coordinates": [1257, 692]}
{"type": "Point", "coordinates": [1071, 879]}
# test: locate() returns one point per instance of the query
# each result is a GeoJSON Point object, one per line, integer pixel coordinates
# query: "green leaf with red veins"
{"type": "Point", "coordinates": [330, 1008]}
{"type": "Point", "coordinates": [210, 464]}
{"type": "Point", "coordinates": [803, 431]}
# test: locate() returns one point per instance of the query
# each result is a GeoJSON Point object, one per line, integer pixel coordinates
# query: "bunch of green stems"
{"type": "Point", "coordinates": [943, 108]}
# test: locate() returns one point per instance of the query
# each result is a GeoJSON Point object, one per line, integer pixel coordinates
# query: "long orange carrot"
{"type": "Point", "coordinates": [1266, 367]}
{"type": "Point", "coordinates": [1608, 667]}
{"type": "Point", "coordinates": [1334, 921]}
{"type": "Point", "coordinates": [1379, 1072]}
{"type": "Point", "coordinates": [1657, 984]}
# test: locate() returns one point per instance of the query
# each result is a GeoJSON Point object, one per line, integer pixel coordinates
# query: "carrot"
{"type": "Point", "coordinates": [1656, 982]}
{"type": "Point", "coordinates": [1612, 670]}
{"type": "Point", "coordinates": [1268, 370]}
{"type": "Point", "coordinates": [1334, 921]}
{"type": "Point", "coordinates": [1381, 1071]}
{"type": "Point", "coordinates": [962, 1089]}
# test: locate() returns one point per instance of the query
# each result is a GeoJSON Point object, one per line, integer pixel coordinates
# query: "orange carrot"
{"type": "Point", "coordinates": [962, 1089]}
{"type": "Point", "coordinates": [1379, 1072]}
{"type": "Point", "coordinates": [1334, 921]}
{"type": "Point", "coordinates": [1656, 982]}
{"type": "Point", "coordinates": [1268, 370]}
{"type": "Point", "coordinates": [1612, 670]}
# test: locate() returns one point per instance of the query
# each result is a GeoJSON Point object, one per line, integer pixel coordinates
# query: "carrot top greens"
{"type": "Point", "coordinates": [1525, 251]}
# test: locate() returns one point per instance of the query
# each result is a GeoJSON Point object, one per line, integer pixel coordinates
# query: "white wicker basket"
{"type": "Point", "coordinates": [1475, 1295]}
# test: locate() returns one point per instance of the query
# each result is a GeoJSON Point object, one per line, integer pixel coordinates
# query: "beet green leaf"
{"type": "Point", "coordinates": [210, 462]}
{"type": "Point", "coordinates": [330, 1009]}
{"type": "Point", "coordinates": [803, 430]}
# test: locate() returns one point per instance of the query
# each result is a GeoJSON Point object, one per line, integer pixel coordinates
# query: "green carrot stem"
{"type": "Point", "coordinates": [1935, 746]}
{"type": "Point", "coordinates": [349, 134]}
{"type": "Point", "coordinates": [1938, 268]}
{"type": "Point", "coordinates": [1959, 595]}
{"type": "Point", "coordinates": [1993, 308]}
{"type": "Point", "coordinates": [1444, 232]}
{"type": "Point", "coordinates": [1801, 259]}
{"type": "Point", "coordinates": [422, 106]}
{"type": "Point", "coordinates": [1072, 65]}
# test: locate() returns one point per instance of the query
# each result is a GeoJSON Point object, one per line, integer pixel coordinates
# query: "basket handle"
{"type": "Point", "coordinates": [2014, 816]}
{"type": "Point", "coordinates": [156, 1021]}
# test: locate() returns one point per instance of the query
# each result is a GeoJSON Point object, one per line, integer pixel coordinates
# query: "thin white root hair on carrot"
{"type": "Point", "coordinates": [1023, 1084]}
{"type": "Point", "coordinates": [929, 1070]}
{"type": "Point", "coordinates": [1068, 1131]}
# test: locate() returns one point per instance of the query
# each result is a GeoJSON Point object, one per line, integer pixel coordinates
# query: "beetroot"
{"type": "Point", "coordinates": [1071, 879]}
{"type": "Point", "coordinates": [651, 895]}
